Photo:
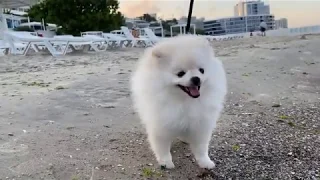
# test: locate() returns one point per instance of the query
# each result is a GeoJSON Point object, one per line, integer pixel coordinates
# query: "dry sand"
{"type": "Point", "coordinates": [71, 117]}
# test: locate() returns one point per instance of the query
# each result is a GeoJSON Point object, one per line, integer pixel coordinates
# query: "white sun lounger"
{"type": "Point", "coordinates": [100, 34]}
{"type": "Point", "coordinates": [4, 47]}
{"type": "Point", "coordinates": [21, 42]}
{"type": "Point", "coordinates": [150, 34]}
{"type": "Point", "coordinates": [53, 45]}
{"type": "Point", "coordinates": [15, 45]}
{"type": "Point", "coordinates": [145, 42]}
{"type": "Point", "coordinates": [113, 40]}
{"type": "Point", "coordinates": [117, 41]}
{"type": "Point", "coordinates": [85, 43]}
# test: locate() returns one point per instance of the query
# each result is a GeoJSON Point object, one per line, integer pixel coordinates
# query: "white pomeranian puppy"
{"type": "Point", "coordinates": [178, 90]}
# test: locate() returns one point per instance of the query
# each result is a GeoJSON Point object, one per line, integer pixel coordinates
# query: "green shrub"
{"type": "Point", "coordinates": [59, 32]}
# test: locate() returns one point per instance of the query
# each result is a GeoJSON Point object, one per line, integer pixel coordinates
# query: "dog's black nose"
{"type": "Point", "coordinates": [196, 81]}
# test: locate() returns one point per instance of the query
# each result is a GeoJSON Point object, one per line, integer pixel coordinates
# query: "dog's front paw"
{"type": "Point", "coordinates": [166, 164]}
{"type": "Point", "coordinates": [206, 163]}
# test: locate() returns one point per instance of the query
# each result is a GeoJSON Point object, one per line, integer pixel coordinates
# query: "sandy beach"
{"type": "Point", "coordinates": [71, 118]}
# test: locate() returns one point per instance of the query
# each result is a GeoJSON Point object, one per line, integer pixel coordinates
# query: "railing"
{"type": "Point", "coordinates": [280, 32]}
{"type": "Point", "coordinates": [295, 31]}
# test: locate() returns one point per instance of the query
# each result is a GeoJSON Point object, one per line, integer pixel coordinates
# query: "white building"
{"type": "Point", "coordinates": [15, 16]}
{"type": "Point", "coordinates": [236, 25]}
{"type": "Point", "coordinates": [13, 21]}
{"type": "Point", "coordinates": [281, 23]}
{"type": "Point", "coordinates": [198, 22]}
{"type": "Point", "coordinates": [248, 16]}
{"type": "Point", "coordinates": [20, 11]}
{"type": "Point", "coordinates": [248, 8]}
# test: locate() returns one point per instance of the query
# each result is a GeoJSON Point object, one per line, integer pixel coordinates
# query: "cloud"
{"type": "Point", "coordinates": [138, 7]}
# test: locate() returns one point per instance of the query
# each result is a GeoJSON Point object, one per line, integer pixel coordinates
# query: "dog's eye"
{"type": "Point", "coordinates": [201, 70]}
{"type": "Point", "coordinates": [181, 73]}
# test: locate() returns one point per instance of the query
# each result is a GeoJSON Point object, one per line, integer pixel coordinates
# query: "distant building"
{"type": "Point", "coordinates": [199, 22]}
{"type": "Point", "coordinates": [248, 8]}
{"type": "Point", "coordinates": [15, 16]}
{"type": "Point", "coordinates": [248, 15]}
{"type": "Point", "coordinates": [22, 10]}
{"type": "Point", "coordinates": [235, 25]}
{"type": "Point", "coordinates": [281, 23]}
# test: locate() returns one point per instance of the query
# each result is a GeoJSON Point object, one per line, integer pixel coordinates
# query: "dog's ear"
{"type": "Point", "coordinates": [157, 53]}
{"type": "Point", "coordinates": [160, 57]}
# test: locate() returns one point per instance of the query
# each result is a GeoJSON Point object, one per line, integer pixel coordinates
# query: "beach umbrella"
{"type": "Point", "coordinates": [189, 16]}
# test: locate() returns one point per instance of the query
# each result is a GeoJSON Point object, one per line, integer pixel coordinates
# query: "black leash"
{"type": "Point", "coordinates": [189, 16]}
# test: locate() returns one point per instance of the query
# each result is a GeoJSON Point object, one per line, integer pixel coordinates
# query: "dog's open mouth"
{"type": "Point", "coordinates": [192, 91]}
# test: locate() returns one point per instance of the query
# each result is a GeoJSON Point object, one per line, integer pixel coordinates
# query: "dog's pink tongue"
{"type": "Point", "coordinates": [194, 91]}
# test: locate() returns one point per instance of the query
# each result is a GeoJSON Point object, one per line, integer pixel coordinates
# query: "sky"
{"type": "Point", "coordinates": [298, 12]}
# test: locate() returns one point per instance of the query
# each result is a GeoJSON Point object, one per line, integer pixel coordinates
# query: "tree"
{"type": "Point", "coordinates": [76, 16]}
{"type": "Point", "coordinates": [166, 24]}
{"type": "Point", "coordinates": [147, 17]}
{"type": "Point", "coordinates": [175, 21]}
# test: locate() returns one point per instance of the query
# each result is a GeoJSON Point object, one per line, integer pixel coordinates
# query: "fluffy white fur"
{"type": "Point", "coordinates": [167, 111]}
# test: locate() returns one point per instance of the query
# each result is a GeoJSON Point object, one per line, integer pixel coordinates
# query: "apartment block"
{"type": "Point", "coordinates": [248, 8]}
{"type": "Point", "coordinates": [239, 24]}
{"type": "Point", "coordinates": [281, 23]}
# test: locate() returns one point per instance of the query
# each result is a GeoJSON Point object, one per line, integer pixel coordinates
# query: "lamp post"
{"type": "Point", "coordinates": [189, 16]}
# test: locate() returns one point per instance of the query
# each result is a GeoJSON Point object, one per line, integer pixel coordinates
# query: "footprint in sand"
{"type": "Point", "coordinates": [261, 98]}
{"type": "Point", "coordinates": [13, 147]}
